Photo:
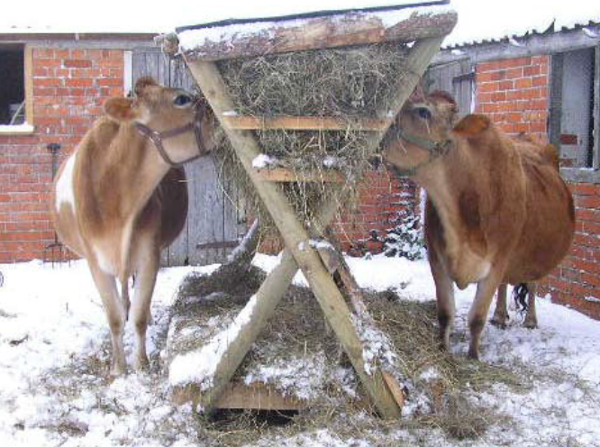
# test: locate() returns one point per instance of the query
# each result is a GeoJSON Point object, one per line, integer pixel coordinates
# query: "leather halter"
{"type": "Point", "coordinates": [157, 138]}
{"type": "Point", "coordinates": [435, 148]}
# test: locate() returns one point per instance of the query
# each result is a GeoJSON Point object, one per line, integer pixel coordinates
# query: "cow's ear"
{"type": "Point", "coordinates": [120, 109]}
{"type": "Point", "coordinates": [472, 125]}
{"type": "Point", "coordinates": [143, 83]}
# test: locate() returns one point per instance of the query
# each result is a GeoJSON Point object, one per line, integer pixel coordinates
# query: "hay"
{"type": "Point", "coordinates": [438, 383]}
{"type": "Point", "coordinates": [346, 83]}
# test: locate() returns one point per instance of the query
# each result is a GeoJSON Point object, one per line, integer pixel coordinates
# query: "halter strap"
{"type": "Point", "coordinates": [157, 138]}
{"type": "Point", "coordinates": [435, 148]}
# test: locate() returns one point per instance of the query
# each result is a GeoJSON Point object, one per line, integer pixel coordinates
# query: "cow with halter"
{"type": "Point", "coordinates": [121, 197]}
{"type": "Point", "coordinates": [497, 210]}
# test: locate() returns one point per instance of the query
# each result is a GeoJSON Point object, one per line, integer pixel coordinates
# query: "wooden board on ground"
{"type": "Point", "coordinates": [238, 396]}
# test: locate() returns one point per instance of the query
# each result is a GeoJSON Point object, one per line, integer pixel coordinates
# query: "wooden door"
{"type": "Point", "coordinates": [457, 78]}
{"type": "Point", "coordinates": [216, 219]}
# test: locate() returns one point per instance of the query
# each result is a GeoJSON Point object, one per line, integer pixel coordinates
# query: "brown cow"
{"type": "Point", "coordinates": [496, 213]}
{"type": "Point", "coordinates": [121, 197]}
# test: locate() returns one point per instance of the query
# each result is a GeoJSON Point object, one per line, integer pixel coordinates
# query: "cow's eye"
{"type": "Point", "coordinates": [423, 112]}
{"type": "Point", "coordinates": [182, 100]}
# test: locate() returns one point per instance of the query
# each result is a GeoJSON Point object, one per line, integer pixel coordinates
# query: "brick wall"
{"type": "Point", "coordinates": [576, 282]}
{"type": "Point", "coordinates": [515, 94]}
{"type": "Point", "coordinates": [383, 199]}
{"type": "Point", "coordinates": [69, 88]}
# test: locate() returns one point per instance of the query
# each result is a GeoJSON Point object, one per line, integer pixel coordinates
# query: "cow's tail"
{"type": "Point", "coordinates": [520, 293]}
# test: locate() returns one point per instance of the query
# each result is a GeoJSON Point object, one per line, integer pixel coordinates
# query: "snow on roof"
{"type": "Point", "coordinates": [491, 20]}
{"type": "Point", "coordinates": [196, 36]}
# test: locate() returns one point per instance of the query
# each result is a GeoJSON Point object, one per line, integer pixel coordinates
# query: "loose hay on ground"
{"type": "Point", "coordinates": [439, 385]}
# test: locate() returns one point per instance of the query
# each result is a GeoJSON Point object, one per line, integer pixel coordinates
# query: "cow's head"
{"type": "Point", "coordinates": [174, 120]}
{"type": "Point", "coordinates": [421, 132]}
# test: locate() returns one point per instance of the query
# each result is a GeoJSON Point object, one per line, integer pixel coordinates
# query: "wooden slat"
{"type": "Point", "coordinates": [243, 122]}
{"type": "Point", "coordinates": [350, 28]}
{"type": "Point", "coordinates": [284, 175]}
{"type": "Point", "coordinates": [242, 397]}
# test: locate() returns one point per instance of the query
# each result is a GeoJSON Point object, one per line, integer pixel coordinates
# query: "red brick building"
{"type": "Point", "coordinates": [62, 81]}
{"type": "Point", "coordinates": [547, 85]}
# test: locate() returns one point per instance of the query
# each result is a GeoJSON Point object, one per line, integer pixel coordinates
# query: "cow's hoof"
{"type": "Point", "coordinates": [141, 364]}
{"type": "Point", "coordinates": [473, 354]}
{"type": "Point", "coordinates": [117, 370]}
{"type": "Point", "coordinates": [530, 324]}
{"type": "Point", "coordinates": [499, 322]}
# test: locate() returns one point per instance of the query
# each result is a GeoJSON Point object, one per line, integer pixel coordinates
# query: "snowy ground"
{"type": "Point", "coordinates": [54, 350]}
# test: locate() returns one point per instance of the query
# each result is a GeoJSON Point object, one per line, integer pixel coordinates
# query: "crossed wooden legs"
{"type": "Point", "coordinates": [299, 253]}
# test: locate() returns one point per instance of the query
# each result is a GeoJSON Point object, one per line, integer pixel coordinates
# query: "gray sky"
{"type": "Point", "coordinates": [477, 18]}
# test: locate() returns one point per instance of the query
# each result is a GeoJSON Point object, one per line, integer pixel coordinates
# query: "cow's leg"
{"type": "Point", "coordinates": [444, 291]}
{"type": "Point", "coordinates": [531, 318]}
{"type": "Point", "coordinates": [125, 295]}
{"type": "Point", "coordinates": [480, 309]}
{"type": "Point", "coordinates": [115, 314]}
{"type": "Point", "coordinates": [147, 268]}
{"type": "Point", "coordinates": [500, 318]}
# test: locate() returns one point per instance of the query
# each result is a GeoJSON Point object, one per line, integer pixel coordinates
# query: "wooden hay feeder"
{"type": "Point", "coordinates": [425, 26]}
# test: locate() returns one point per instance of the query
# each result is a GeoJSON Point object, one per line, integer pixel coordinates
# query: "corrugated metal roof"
{"type": "Point", "coordinates": [489, 21]}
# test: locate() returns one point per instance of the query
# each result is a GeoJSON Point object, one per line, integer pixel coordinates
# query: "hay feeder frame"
{"type": "Point", "coordinates": [425, 24]}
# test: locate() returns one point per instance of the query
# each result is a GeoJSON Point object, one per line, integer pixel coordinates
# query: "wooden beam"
{"type": "Point", "coordinates": [350, 28]}
{"type": "Point", "coordinates": [284, 175]}
{"type": "Point", "coordinates": [243, 397]}
{"type": "Point", "coordinates": [278, 281]}
{"type": "Point", "coordinates": [244, 122]}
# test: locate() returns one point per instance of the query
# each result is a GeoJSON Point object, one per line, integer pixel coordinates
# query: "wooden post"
{"type": "Point", "coordinates": [296, 238]}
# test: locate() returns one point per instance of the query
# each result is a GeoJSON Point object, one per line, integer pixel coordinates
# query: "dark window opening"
{"type": "Point", "coordinates": [573, 107]}
{"type": "Point", "coordinates": [12, 85]}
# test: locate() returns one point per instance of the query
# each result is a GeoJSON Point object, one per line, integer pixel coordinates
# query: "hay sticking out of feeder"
{"type": "Point", "coordinates": [298, 355]}
{"type": "Point", "coordinates": [346, 83]}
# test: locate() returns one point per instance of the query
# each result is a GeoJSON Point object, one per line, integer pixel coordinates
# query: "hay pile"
{"type": "Point", "coordinates": [347, 83]}
{"type": "Point", "coordinates": [298, 355]}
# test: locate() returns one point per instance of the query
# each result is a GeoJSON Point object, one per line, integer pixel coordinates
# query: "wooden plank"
{"type": "Point", "coordinates": [28, 68]}
{"type": "Point", "coordinates": [269, 294]}
{"type": "Point", "coordinates": [243, 122]}
{"type": "Point", "coordinates": [284, 175]}
{"type": "Point", "coordinates": [556, 96]}
{"type": "Point", "coordinates": [350, 28]}
{"type": "Point", "coordinates": [243, 397]}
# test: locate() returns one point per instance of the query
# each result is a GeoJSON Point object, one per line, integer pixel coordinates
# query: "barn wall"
{"type": "Point", "coordinates": [383, 200]}
{"type": "Point", "coordinates": [69, 88]}
{"type": "Point", "coordinates": [515, 93]}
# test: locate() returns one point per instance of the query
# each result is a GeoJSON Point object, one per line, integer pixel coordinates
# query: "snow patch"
{"type": "Point", "coordinates": [199, 366]}
{"type": "Point", "coordinates": [64, 186]}
{"type": "Point", "coordinates": [262, 161]}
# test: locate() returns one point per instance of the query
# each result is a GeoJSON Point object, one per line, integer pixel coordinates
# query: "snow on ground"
{"type": "Point", "coordinates": [54, 353]}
